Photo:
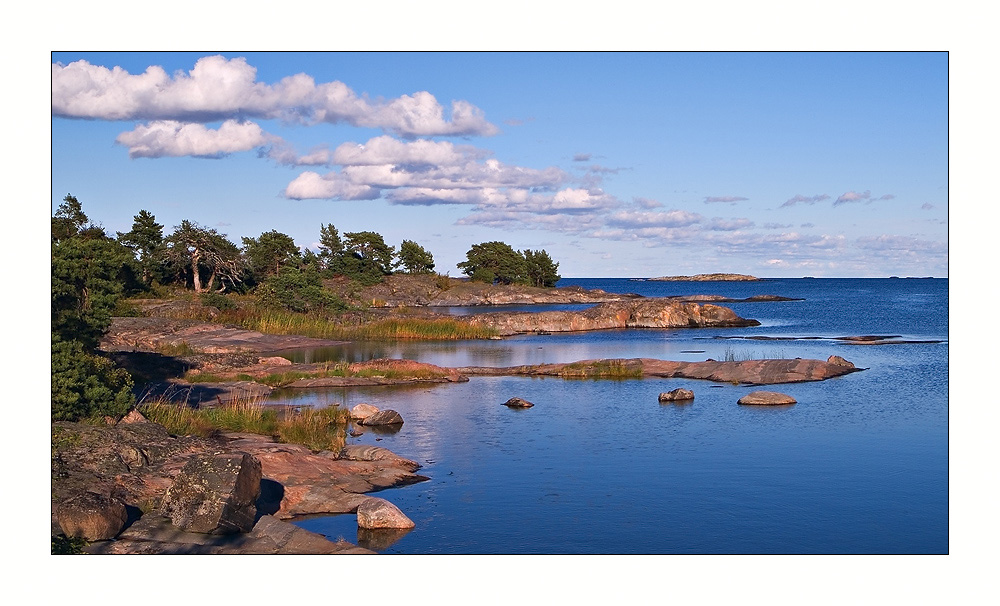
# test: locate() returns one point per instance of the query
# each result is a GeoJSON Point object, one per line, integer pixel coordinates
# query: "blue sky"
{"type": "Point", "coordinates": [618, 164]}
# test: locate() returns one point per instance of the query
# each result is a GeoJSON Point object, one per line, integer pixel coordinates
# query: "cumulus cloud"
{"type": "Point", "coordinates": [853, 196]}
{"type": "Point", "coordinates": [805, 199]}
{"type": "Point", "coordinates": [310, 185]}
{"type": "Point", "coordinates": [639, 219]}
{"type": "Point", "coordinates": [219, 89]}
{"type": "Point", "coordinates": [720, 224]}
{"type": "Point", "coordinates": [729, 199]}
{"type": "Point", "coordinates": [389, 150]}
{"type": "Point", "coordinates": [172, 138]}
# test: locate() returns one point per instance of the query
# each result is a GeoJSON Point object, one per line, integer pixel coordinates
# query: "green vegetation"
{"type": "Point", "coordinates": [498, 263]}
{"type": "Point", "coordinates": [415, 259]}
{"type": "Point", "coordinates": [603, 369]}
{"type": "Point", "coordinates": [269, 253]}
{"type": "Point", "coordinates": [732, 355]}
{"type": "Point", "coordinates": [62, 545]}
{"type": "Point", "coordinates": [298, 290]}
{"type": "Point", "coordinates": [317, 429]}
{"type": "Point", "coordinates": [89, 270]}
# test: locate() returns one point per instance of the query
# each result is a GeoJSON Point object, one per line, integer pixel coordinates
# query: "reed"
{"type": "Point", "coordinates": [317, 429]}
{"type": "Point", "coordinates": [603, 369]}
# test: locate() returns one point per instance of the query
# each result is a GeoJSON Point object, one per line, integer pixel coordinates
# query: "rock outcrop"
{"type": "Point", "coordinates": [766, 398]}
{"type": "Point", "coordinates": [92, 517]}
{"type": "Point", "coordinates": [374, 512]}
{"type": "Point", "coordinates": [751, 372]}
{"type": "Point", "coordinates": [215, 494]}
{"type": "Point", "coordinates": [637, 313]}
{"type": "Point", "coordinates": [677, 395]}
{"type": "Point", "coordinates": [137, 463]}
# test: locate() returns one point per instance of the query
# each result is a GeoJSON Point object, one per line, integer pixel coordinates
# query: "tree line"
{"type": "Point", "coordinates": [92, 271]}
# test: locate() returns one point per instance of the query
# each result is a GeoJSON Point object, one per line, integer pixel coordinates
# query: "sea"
{"type": "Point", "coordinates": [858, 466]}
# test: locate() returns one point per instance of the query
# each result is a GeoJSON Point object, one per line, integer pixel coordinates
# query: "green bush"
{"type": "Point", "coordinates": [86, 385]}
{"type": "Point", "coordinates": [217, 300]}
{"type": "Point", "coordinates": [298, 290]}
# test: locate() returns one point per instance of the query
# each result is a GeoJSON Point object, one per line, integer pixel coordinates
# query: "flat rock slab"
{"type": "Point", "coordinates": [750, 372]}
{"type": "Point", "coordinates": [766, 398]}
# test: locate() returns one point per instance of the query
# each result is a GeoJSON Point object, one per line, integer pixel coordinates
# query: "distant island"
{"type": "Point", "coordinates": [708, 278]}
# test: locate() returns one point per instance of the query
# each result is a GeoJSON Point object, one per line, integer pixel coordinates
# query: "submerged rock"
{"type": "Point", "coordinates": [518, 403]}
{"type": "Point", "coordinates": [92, 517]}
{"type": "Point", "coordinates": [215, 494]}
{"type": "Point", "coordinates": [374, 512]}
{"type": "Point", "coordinates": [677, 395]}
{"type": "Point", "coordinates": [766, 398]}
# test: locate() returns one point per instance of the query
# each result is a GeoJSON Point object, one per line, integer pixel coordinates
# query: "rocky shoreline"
{"type": "Point", "coordinates": [718, 277]}
{"type": "Point", "coordinates": [138, 468]}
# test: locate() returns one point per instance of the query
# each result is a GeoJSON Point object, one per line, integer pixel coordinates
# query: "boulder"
{"type": "Point", "coordinates": [766, 398]}
{"type": "Point", "coordinates": [92, 517]}
{"type": "Point", "coordinates": [677, 395]}
{"type": "Point", "coordinates": [838, 361]}
{"type": "Point", "coordinates": [274, 361]}
{"type": "Point", "coordinates": [215, 494]}
{"type": "Point", "coordinates": [134, 416]}
{"type": "Point", "coordinates": [383, 417]}
{"type": "Point", "coordinates": [374, 512]}
{"type": "Point", "coordinates": [363, 411]}
{"type": "Point", "coordinates": [518, 403]}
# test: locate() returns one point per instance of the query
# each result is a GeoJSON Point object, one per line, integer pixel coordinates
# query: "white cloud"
{"type": "Point", "coordinates": [310, 185]}
{"type": "Point", "coordinates": [671, 218]}
{"type": "Point", "coordinates": [388, 150]}
{"type": "Point", "coordinates": [172, 138]}
{"type": "Point", "coordinates": [218, 89]}
{"type": "Point", "coordinates": [729, 199]}
{"type": "Point", "coordinates": [720, 224]}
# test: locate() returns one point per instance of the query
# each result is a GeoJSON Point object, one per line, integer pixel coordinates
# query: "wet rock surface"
{"type": "Point", "coordinates": [518, 403]}
{"type": "Point", "coordinates": [374, 512]}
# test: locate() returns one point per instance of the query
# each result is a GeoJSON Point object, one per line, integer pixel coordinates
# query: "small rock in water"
{"type": "Point", "coordinates": [766, 398]}
{"type": "Point", "coordinates": [677, 395]}
{"type": "Point", "coordinates": [362, 411]}
{"type": "Point", "coordinates": [383, 417]}
{"type": "Point", "coordinates": [518, 403]}
{"type": "Point", "coordinates": [379, 513]}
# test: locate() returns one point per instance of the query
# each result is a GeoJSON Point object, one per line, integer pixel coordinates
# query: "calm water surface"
{"type": "Point", "coordinates": [859, 465]}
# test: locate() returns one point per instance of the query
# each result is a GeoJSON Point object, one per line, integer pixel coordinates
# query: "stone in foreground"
{"type": "Point", "coordinates": [374, 512]}
{"type": "Point", "coordinates": [215, 494]}
{"type": "Point", "coordinates": [766, 398]}
{"type": "Point", "coordinates": [518, 403]}
{"type": "Point", "coordinates": [92, 517]}
{"type": "Point", "coordinates": [383, 417]}
{"type": "Point", "coordinates": [837, 360]}
{"type": "Point", "coordinates": [677, 395]}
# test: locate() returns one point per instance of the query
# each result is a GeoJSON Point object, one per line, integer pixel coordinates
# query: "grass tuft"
{"type": "Point", "coordinates": [603, 369]}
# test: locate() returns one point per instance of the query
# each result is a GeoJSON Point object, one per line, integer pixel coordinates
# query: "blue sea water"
{"type": "Point", "coordinates": [859, 465]}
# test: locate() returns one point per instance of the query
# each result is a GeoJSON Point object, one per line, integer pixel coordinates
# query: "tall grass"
{"type": "Point", "coordinates": [315, 428]}
{"type": "Point", "coordinates": [602, 369]}
{"type": "Point", "coordinates": [732, 355]}
{"type": "Point", "coordinates": [282, 322]}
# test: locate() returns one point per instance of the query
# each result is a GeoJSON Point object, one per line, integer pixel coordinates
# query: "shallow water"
{"type": "Point", "coordinates": [859, 465]}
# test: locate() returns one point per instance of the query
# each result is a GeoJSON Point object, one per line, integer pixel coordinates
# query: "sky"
{"type": "Point", "coordinates": [826, 164]}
